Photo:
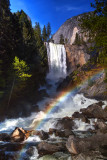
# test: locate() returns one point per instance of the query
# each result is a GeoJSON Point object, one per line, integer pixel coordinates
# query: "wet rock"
{"type": "Point", "coordinates": [45, 148]}
{"type": "Point", "coordinates": [82, 145]}
{"type": "Point", "coordinates": [19, 135]}
{"type": "Point", "coordinates": [4, 137]}
{"type": "Point", "coordinates": [84, 134]}
{"type": "Point", "coordinates": [77, 115]}
{"type": "Point", "coordinates": [100, 103]}
{"type": "Point", "coordinates": [94, 111]}
{"type": "Point", "coordinates": [42, 134]}
{"type": "Point", "coordinates": [30, 151]}
{"type": "Point", "coordinates": [11, 147]}
{"type": "Point", "coordinates": [60, 133]}
{"type": "Point", "coordinates": [103, 150]}
{"type": "Point", "coordinates": [65, 123]}
{"type": "Point", "coordinates": [100, 125]}
{"type": "Point", "coordinates": [88, 156]}
{"type": "Point", "coordinates": [51, 131]}
{"type": "Point", "coordinates": [80, 116]}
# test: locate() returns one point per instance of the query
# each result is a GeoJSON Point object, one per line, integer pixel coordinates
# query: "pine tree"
{"type": "Point", "coordinates": [29, 42]}
{"type": "Point", "coordinates": [38, 37]}
{"type": "Point", "coordinates": [77, 39]}
{"type": "Point", "coordinates": [61, 39]}
{"type": "Point", "coordinates": [44, 34]}
{"type": "Point", "coordinates": [66, 40]}
{"type": "Point", "coordinates": [95, 24]}
{"type": "Point", "coordinates": [5, 29]}
{"type": "Point", "coordinates": [48, 29]}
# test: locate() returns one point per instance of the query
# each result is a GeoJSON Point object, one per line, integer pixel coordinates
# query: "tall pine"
{"type": "Point", "coordinates": [48, 29]}
{"type": "Point", "coordinates": [44, 34]}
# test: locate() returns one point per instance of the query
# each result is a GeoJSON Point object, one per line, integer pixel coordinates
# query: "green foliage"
{"type": "Point", "coordinates": [95, 24]}
{"type": "Point", "coordinates": [21, 69]}
{"type": "Point", "coordinates": [21, 46]}
{"type": "Point", "coordinates": [77, 39]}
{"type": "Point", "coordinates": [44, 34]}
{"type": "Point", "coordinates": [48, 30]}
{"type": "Point", "coordinates": [41, 49]}
{"type": "Point", "coordinates": [37, 34]}
{"type": "Point", "coordinates": [66, 40]}
{"type": "Point", "coordinates": [61, 41]}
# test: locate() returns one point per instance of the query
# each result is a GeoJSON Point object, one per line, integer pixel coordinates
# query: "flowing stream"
{"type": "Point", "coordinates": [66, 105]}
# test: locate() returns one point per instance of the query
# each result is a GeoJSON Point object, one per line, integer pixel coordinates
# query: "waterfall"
{"type": "Point", "coordinates": [56, 60]}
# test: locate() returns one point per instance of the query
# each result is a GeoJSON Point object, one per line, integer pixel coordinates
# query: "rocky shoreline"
{"type": "Point", "coordinates": [89, 144]}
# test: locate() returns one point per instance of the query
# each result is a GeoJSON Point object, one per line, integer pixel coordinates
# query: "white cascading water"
{"type": "Point", "coordinates": [56, 60]}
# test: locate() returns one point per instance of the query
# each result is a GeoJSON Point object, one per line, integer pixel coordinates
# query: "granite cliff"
{"type": "Point", "coordinates": [76, 56]}
{"type": "Point", "coordinates": [69, 30]}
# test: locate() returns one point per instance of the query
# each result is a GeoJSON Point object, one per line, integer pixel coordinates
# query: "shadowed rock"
{"type": "Point", "coordinates": [42, 134]}
{"type": "Point", "coordinates": [82, 145]}
{"type": "Point", "coordinates": [45, 148]}
{"type": "Point", "coordinates": [94, 111]}
{"type": "Point", "coordinates": [65, 123]}
{"type": "Point", "coordinates": [60, 133]}
{"type": "Point", "coordinates": [5, 137]}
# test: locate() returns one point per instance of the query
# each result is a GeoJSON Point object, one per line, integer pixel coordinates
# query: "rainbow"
{"type": "Point", "coordinates": [59, 99]}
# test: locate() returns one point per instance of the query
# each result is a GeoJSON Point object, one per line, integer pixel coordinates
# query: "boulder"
{"type": "Point", "coordinates": [82, 145]}
{"type": "Point", "coordinates": [100, 125]}
{"type": "Point", "coordinates": [80, 116]}
{"type": "Point", "coordinates": [5, 137]}
{"type": "Point", "coordinates": [60, 133]}
{"type": "Point", "coordinates": [42, 134]}
{"type": "Point", "coordinates": [77, 115]}
{"type": "Point", "coordinates": [19, 135]}
{"type": "Point", "coordinates": [94, 111]}
{"type": "Point", "coordinates": [65, 123]}
{"type": "Point", "coordinates": [45, 148]}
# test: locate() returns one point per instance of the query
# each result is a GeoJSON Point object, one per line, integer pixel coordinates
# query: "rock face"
{"type": "Point", "coordinates": [85, 145]}
{"type": "Point", "coordinates": [76, 56]}
{"type": "Point", "coordinates": [96, 88]}
{"type": "Point", "coordinates": [69, 30]}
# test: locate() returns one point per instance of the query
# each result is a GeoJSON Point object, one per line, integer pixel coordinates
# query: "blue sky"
{"type": "Point", "coordinates": [54, 11]}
